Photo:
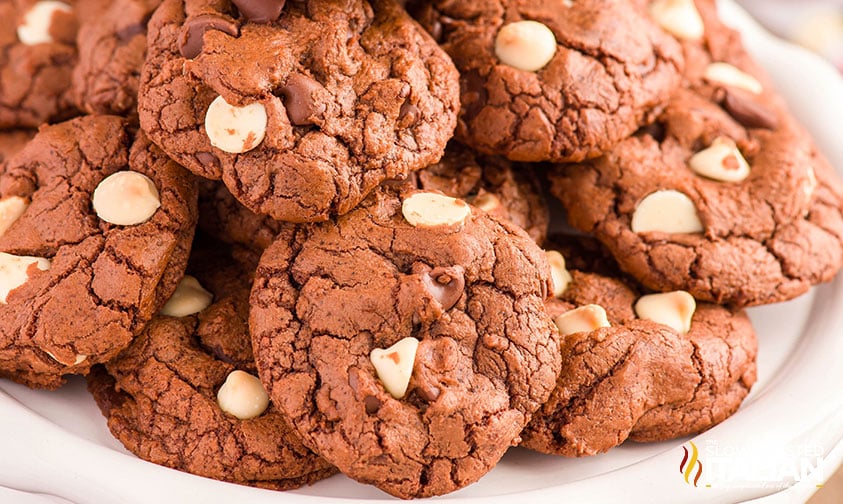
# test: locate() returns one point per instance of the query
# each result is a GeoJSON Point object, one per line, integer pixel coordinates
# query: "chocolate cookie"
{"type": "Point", "coordinates": [645, 368]}
{"type": "Point", "coordinates": [302, 111]}
{"type": "Point", "coordinates": [37, 55]}
{"type": "Point", "coordinates": [227, 220]}
{"type": "Point", "coordinates": [185, 393]}
{"type": "Point", "coordinates": [11, 142]}
{"type": "Point", "coordinates": [726, 196]}
{"type": "Point", "coordinates": [97, 233]}
{"type": "Point", "coordinates": [111, 46]}
{"type": "Point", "coordinates": [551, 80]}
{"type": "Point", "coordinates": [493, 184]}
{"type": "Point", "coordinates": [499, 187]}
{"type": "Point", "coordinates": [406, 341]}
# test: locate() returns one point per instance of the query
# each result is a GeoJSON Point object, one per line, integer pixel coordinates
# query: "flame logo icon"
{"type": "Point", "coordinates": [686, 467]}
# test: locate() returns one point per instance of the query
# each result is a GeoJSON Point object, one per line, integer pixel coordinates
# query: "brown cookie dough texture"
{"type": "Point", "coordinates": [111, 46]}
{"type": "Point", "coordinates": [11, 142]}
{"type": "Point", "coordinates": [639, 379]}
{"type": "Point", "coordinates": [469, 288]}
{"type": "Point", "coordinates": [493, 184]}
{"type": "Point", "coordinates": [333, 97]}
{"type": "Point", "coordinates": [611, 70]}
{"type": "Point", "coordinates": [497, 186]}
{"type": "Point", "coordinates": [227, 220]}
{"type": "Point", "coordinates": [77, 287]}
{"type": "Point", "coordinates": [752, 234]}
{"type": "Point", "coordinates": [37, 56]}
{"type": "Point", "coordinates": [160, 395]}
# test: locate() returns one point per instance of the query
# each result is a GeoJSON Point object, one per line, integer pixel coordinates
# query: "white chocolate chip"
{"type": "Point", "coordinates": [583, 319]}
{"type": "Point", "coordinates": [242, 395]}
{"type": "Point", "coordinates": [679, 17]}
{"type": "Point", "coordinates": [11, 209]}
{"type": "Point", "coordinates": [722, 160]}
{"type": "Point", "coordinates": [35, 28]}
{"type": "Point", "coordinates": [394, 365]}
{"type": "Point", "coordinates": [235, 129]}
{"type": "Point", "coordinates": [558, 272]}
{"type": "Point", "coordinates": [673, 309]}
{"type": "Point", "coordinates": [189, 298]}
{"type": "Point", "coordinates": [13, 271]}
{"type": "Point", "coordinates": [667, 211]}
{"type": "Point", "coordinates": [729, 75]}
{"type": "Point", "coordinates": [487, 202]}
{"type": "Point", "coordinates": [525, 45]}
{"type": "Point", "coordinates": [126, 198]}
{"type": "Point", "coordinates": [79, 359]}
{"type": "Point", "coordinates": [810, 183]}
{"type": "Point", "coordinates": [424, 209]}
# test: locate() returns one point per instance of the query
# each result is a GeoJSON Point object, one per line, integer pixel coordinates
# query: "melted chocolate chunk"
{"type": "Point", "coordinates": [748, 112]}
{"type": "Point", "coordinates": [193, 31]}
{"type": "Point", "coordinates": [301, 99]}
{"type": "Point", "coordinates": [208, 159]}
{"type": "Point", "coordinates": [408, 115]}
{"type": "Point", "coordinates": [445, 284]}
{"type": "Point", "coordinates": [260, 11]}
{"type": "Point", "coordinates": [373, 404]}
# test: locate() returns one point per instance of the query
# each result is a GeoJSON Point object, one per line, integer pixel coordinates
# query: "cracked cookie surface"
{"type": "Point", "coordinates": [111, 44]}
{"type": "Point", "coordinates": [640, 379]}
{"type": "Point", "coordinates": [35, 72]}
{"type": "Point", "coordinates": [344, 94]}
{"type": "Point", "coordinates": [471, 292]}
{"type": "Point", "coordinates": [501, 188]}
{"type": "Point", "coordinates": [612, 68]}
{"type": "Point", "coordinates": [760, 239]}
{"type": "Point", "coordinates": [497, 186]}
{"type": "Point", "coordinates": [96, 283]}
{"type": "Point", "coordinates": [160, 394]}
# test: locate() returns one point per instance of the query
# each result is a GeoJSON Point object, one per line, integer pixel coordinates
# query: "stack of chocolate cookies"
{"type": "Point", "coordinates": [287, 239]}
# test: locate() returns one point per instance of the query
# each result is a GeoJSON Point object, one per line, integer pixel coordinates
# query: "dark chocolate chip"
{"type": "Point", "coordinates": [127, 33]}
{"type": "Point", "coordinates": [428, 392]}
{"type": "Point", "coordinates": [748, 112]}
{"type": "Point", "coordinates": [260, 11]}
{"type": "Point", "coordinates": [192, 35]}
{"type": "Point", "coordinates": [301, 98]}
{"type": "Point", "coordinates": [408, 115]}
{"type": "Point", "coordinates": [373, 404]}
{"type": "Point", "coordinates": [208, 159]}
{"type": "Point", "coordinates": [445, 285]}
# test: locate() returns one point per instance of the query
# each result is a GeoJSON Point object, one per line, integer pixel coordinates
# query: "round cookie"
{"type": "Point", "coordinates": [499, 187]}
{"type": "Point", "coordinates": [407, 341]}
{"type": "Point", "coordinates": [98, 230]}
{"type": "Point", "coordinates": [644, 379]}
{"type": "Point", "coordinates": [111, 46]}
{"type": "Point", "coordinates": [227, 220]}
{"type": "Point", "coordinates": [37, 56]}
{"type": "Point", "coordinates": [302, 113]}
{"type": "Point", "coordinates": [167, 397]}
{"type": "Point", "coordinates": [726, 196]}
{"type": "Point", "coordinates": [551, 80]}
{"type": "Point", "coordinates": [495, 185]}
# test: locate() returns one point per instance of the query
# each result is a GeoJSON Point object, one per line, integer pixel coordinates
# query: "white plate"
{"type": "Point", "coordinates": [54, 447]}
